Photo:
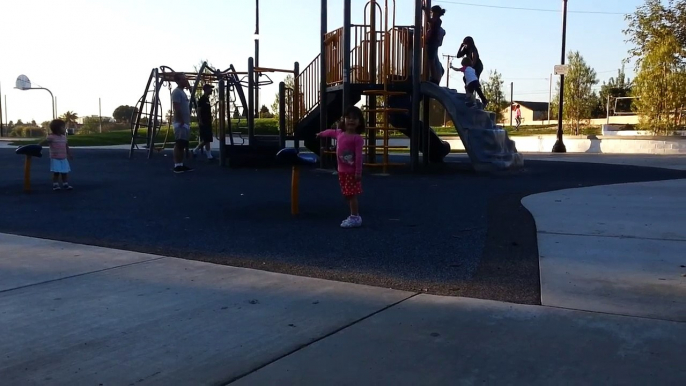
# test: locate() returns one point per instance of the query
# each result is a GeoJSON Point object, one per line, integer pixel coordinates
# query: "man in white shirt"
{"type": "Point", "coordinates": [182, 121]}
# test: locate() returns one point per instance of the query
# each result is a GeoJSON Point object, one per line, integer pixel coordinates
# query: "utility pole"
{"type": "Point", "coordinates": [447, 83]}
{"type": "Point", "coordinates": [550, 97]}
{"type": "Point", "coordinates": [511, 100]}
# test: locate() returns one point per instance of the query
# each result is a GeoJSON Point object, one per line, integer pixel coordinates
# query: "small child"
{"type": "Point", "coordinates": [59, 153]}
{"type": "Point", "coordinates": [518, 116]}
{"type": "Point", "coordinates": [349, 143]}
{"type": "Point", "coordinates": [471, 81]}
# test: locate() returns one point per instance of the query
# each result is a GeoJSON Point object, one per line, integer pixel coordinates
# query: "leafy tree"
{"type": "Point", "coordinates": [290, 84]}
{"type": "Point", "coordinates": [19, 122]}
{"type": "Point", "coordinates": [124, 113]}
{"type": "Point", "coordinates": [265, 113]}
{"type": "Point", "coordinates": [33, 122]}
{"type": "Point", "coordinates": [70, 118]}
{"type": "Point", "coordinates": [621, 86]}
{"type": "Point", "coordinates": [493, 90]}
{"type": "Point", "coordinates": [579, 98]}
{"type": "Point", "coordinates": [90, 125]}
{"type": "Point", "coordinates": [658, 33]}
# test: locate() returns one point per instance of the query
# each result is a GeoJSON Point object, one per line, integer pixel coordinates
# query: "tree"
{"type": "Point", "coordinates": [658, 34]}
{"type": "Point", "coordinates": [19, 122]}
{"type": "Point", "coordinates": [618, 87]}
{"type": "Point", "coordinates": [290, 84]}
{"type": "Point", "coordinates": [236, 114]}
{"type": "Point", "coordinates": [265, 113]}
{"type": "Point", "coordinates": [124, 113]}
{"type": "Point", "coordinates": [33, 122]}
{"type": "Point", "coordinates": [90, 125]}
{"type": "Point", "coordinates": [493, 90]}
{"type": "Point", "coordinates": [69, 119]}
{"type": "Point", "coordinates": [579, 98]}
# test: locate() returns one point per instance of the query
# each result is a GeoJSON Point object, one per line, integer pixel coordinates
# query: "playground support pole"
{"type": "Point", "coordinates": [346, 52]}
{"type": "Point", "coordinates": [251, 102]}
{"type": "Point", "coordinates": [295, 112]}
{"type": "Point", "coordinates": [427, 102]}
{"type": "Point", "coordinates": [323, 103]}
{"type": "Point", "coordinates": [416, 73]}
{"type": "Point", "coordinates": [222, 123]}
{"type": "Point", "coordinates": [559, 146]}
{"type": "Point", "coordinates": [282, 115]}
{"type": "Point", "coordinates": [371, 144]}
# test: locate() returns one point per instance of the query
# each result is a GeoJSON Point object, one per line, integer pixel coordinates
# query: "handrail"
{"type": "Point", "coordinates": [267, 69]}
{"type": "Point", "coordinates": [308, 88]}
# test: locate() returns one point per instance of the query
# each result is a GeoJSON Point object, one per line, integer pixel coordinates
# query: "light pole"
{"type": "Point", "coordinates": [23, 83]}
{"type": "Point", "coordinates": [559, 146]}
{"type": "Point", "coordinates": [257, 58]}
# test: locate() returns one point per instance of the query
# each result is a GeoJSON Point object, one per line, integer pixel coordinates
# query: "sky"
{"type": "Point", "coordinates": [83, 50]}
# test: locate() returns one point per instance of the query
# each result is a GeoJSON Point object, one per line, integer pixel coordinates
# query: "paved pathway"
{"type": "Point", "coordinates": [88, 315]}
{"type": "Point", "coordinates": [614, 248]}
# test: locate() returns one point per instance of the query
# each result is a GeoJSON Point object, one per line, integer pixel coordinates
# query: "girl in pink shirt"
{"type": "Point", "coordinates": [59, 153]}
{"type": "Point", "coordinates": [349, 143]}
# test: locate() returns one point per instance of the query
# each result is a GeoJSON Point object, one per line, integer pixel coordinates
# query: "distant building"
{"type": "Point", "coordinates": [531, 111]}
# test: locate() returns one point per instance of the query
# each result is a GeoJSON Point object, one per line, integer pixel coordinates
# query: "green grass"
{"type": "Point", "coordinates": [264, 126]}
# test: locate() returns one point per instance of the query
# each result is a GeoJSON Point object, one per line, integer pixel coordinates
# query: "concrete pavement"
{"type": "Point", "coordinates": [144, 319]}
{"type": "Point", "coordinates": [137, 319]}
{"type": "Point", "coordinates": [433, 340]}
{"type": "Point", "coordinates": [614, 248]}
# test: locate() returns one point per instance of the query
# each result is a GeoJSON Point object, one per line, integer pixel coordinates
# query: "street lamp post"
{"type": "Point", "coordinates": [23, 83]}
{"type": "Point", "coordinates": [559, 146]}
{"type": "Point", "coordinates": [257, 58]}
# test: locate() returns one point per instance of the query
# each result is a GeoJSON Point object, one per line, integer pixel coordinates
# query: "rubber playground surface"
{"type": "Point", "coordinates": [448, 232]}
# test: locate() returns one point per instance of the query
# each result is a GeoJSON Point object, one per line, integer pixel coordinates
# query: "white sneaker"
{"type": "Point", "coordinates": [352, 222]}
{"type": "Point", "coordinates": [209, 154]}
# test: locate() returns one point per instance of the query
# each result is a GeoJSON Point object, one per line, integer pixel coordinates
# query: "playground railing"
{"type": "Point", "coordinates": [308, 84]}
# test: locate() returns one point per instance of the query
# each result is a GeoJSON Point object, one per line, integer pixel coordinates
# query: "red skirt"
{"type": "Point", "coordinates": [349, 187]}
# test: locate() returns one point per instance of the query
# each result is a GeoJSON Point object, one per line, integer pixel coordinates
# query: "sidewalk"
{"type": "Point", "coordinates": [88, 315]}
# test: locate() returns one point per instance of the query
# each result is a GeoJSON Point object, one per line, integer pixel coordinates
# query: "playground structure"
{"type": "Point", "coordinates": [376, 60]}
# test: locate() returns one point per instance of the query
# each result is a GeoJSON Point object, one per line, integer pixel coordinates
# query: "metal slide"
{"type": "Point", "coordinates": [488, 146]}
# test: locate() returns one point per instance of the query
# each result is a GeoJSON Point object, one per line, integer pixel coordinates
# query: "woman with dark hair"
{"type": "Point", "coordinates": [468, 49]}
{"type": "Point", "coordinates": [434, 39]}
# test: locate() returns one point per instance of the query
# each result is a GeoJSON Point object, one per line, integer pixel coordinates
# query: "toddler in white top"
{"type": "Point", "coordinates": [471, 81]}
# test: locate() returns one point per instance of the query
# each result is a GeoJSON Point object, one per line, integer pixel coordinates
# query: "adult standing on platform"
{"type": "Point", "coordinates": [434, 39]}
{"type": "Point", "coordinates": [468, 49]}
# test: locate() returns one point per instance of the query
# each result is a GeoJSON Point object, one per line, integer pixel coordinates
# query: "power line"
{"type": "Point", "coordinates": [530, 9]}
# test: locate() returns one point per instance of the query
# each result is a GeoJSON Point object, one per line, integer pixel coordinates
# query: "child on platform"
{"type": "Point", "coordinates": [471, 81]}
{"type": "Point", "coordinates": [349, 143]}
